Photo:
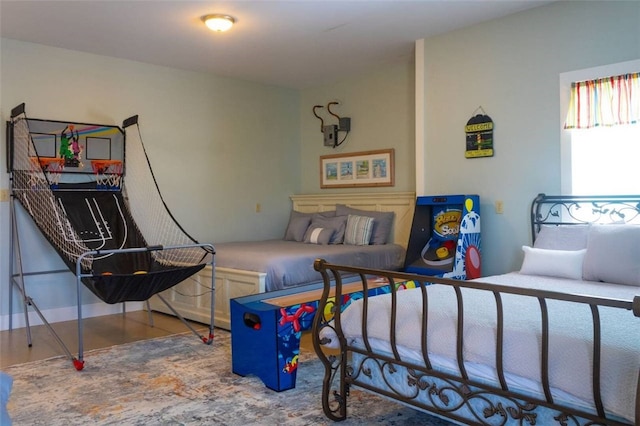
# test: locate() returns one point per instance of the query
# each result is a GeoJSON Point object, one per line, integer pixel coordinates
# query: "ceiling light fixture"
{"type": "Point", "coordinates": [218, 23]}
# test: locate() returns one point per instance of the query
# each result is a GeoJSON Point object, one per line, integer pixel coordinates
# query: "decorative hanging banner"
{"type": "Point", "coordinates": [479, 131]}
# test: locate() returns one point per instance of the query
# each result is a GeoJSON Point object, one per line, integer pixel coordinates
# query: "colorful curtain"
{"type": "Point", "coordinates": [610, 101]}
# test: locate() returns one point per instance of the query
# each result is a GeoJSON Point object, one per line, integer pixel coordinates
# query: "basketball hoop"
{"type": "Point", "coordinates": [108, 173]}
{"type": "Point", "coordinates": [52, 167]}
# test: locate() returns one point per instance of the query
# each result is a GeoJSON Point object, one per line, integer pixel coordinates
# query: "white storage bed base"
{"type": "Point", "coordinates": [191, 299]}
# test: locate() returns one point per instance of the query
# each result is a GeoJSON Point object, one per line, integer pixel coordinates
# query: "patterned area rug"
{"type": "Point", "coordinates": [178, 380]}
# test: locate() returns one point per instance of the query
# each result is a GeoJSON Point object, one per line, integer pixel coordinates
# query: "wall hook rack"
{"type": "Point", "coordinates": [318, 117]}
{"type": "Point", "coordinates": [330, 131]}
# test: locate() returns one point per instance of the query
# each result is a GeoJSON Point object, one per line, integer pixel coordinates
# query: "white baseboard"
{"type": "Point", "coordinates": [69, 313]}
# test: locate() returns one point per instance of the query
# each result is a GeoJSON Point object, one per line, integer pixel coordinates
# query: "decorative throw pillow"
{"type": "Point", "coordinates": [298, 224]}
{"type": "Point", "coordinates": [358, 232]}
{"type": "Point", "coordinates": [336, 223]}
{"type": "Point", "coordinates": [553, 263]}
{"type": "Point", "coordinates": [383, 222]}
{"type": "Point", "coordinates": [317, 235]}
{"type": "Point", "coordinates": [613, 254]}
{"type": "Point", "coordinates": [562, 237]}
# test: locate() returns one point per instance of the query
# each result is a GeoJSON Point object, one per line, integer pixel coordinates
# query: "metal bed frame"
{"type": "Point", "coordinates": [506, 405]}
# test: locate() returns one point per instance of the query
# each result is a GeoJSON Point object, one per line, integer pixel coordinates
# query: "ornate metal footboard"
{"type": "Point", "coordinates": [453, 395]}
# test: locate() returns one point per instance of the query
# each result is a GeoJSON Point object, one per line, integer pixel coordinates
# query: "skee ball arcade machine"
{"type": "Point", "coordinates": [445, 237]}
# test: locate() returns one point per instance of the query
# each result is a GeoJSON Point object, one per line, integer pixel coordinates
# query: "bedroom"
{"type": "Point", "coordinates": [213, 113]}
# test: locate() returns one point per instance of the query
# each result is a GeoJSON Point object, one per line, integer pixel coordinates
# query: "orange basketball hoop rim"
{"type": "Point", "coordinates": [112, 167]}
{"type": "Point", "coordinates": [48, 164]}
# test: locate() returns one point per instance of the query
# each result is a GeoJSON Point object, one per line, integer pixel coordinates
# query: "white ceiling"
{"type": "Point", "coordinates": [286, 43]}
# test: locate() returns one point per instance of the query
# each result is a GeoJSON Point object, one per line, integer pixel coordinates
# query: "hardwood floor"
{"type": "Point", "coordinates": [99, 332]}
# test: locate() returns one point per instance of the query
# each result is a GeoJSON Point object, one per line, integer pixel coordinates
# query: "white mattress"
{"type": "Point", "coordinates": [570, 336]}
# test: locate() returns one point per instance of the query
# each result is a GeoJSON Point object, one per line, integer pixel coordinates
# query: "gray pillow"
{"type": "Point", "coordinates": [298, 224]}
{"type": "Point", "coordinates": [337, 223]}
{"type": "Point", "coordinates": [318, 235]}
{"type": "Point", "coordinates": [383, 221]}
{"type": "Point", "coordinates": [328, 213]}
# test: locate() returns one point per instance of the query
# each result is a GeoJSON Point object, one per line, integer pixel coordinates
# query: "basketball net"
{"type": "Point", "coordinates": [32, 184]}
{"type": "Point", "coordinates": [52, 168]}
{"type": "Point", "coordinates": [108, 173]}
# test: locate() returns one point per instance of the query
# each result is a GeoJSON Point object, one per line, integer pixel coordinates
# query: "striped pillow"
{"type": "Point", "coordinates": [358, 231]}
{"type": "Point", "coordinates": [317, 235]}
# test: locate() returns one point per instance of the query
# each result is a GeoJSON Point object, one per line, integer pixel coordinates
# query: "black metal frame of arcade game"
{"type": "Point", "coordinates": [445, 237]}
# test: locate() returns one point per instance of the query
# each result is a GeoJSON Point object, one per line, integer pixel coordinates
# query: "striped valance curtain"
{"type": "Point", "coordinates": [610, 101]}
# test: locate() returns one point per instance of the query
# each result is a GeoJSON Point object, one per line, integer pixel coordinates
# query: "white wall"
{"type": "Point", "coordinates": [218, 146]}
{"type": "Point", "coordinates": [381, 105]}
{"type": "Point", "coordinates": [511, 68]}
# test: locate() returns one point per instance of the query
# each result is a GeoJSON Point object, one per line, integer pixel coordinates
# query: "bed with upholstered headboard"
{"type": "Point", "coordinates": [557, 342]}
{"type": "Point", "coordinates": [316, 228]}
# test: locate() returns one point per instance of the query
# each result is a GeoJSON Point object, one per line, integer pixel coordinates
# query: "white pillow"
{"type": "Point", "coordinates": [562, 237]}
{"type": "Point", "coordinates": [553, 263]}
{"type": "Point", "coordinates": [358, 231]}
{"type": "Point", "coordinates": [613, 254]}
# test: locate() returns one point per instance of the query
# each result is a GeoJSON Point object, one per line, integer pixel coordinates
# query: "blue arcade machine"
{"type": "Point", "coordinates": [445, 237]}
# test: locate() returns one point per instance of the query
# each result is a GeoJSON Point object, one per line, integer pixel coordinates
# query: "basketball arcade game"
{"type": "Point", "coordinates": [108, 222]}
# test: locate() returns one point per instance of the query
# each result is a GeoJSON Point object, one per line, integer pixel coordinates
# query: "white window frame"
{"type": "Point", "coordinates": [565, 87]}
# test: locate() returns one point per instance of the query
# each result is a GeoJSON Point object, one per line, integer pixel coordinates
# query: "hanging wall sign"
{"type": "Point", "coordinates": [479, 136]}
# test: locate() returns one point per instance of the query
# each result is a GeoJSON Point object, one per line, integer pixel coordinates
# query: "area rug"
{"type": "Point", "coordinates": [178, 380]}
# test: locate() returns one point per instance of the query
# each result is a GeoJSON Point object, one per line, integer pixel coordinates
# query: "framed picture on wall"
{"type": "Point", "coordinates": [368, 168]}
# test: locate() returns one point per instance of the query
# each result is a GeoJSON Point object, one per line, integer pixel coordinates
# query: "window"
{"type": "Point", "coordinates": [602, 156]}
{"type": "Point", "coordinates": [604, 160]}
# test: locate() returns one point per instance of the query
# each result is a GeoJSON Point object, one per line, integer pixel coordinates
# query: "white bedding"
{"type": "Point", "coordinates": [570, 335]}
